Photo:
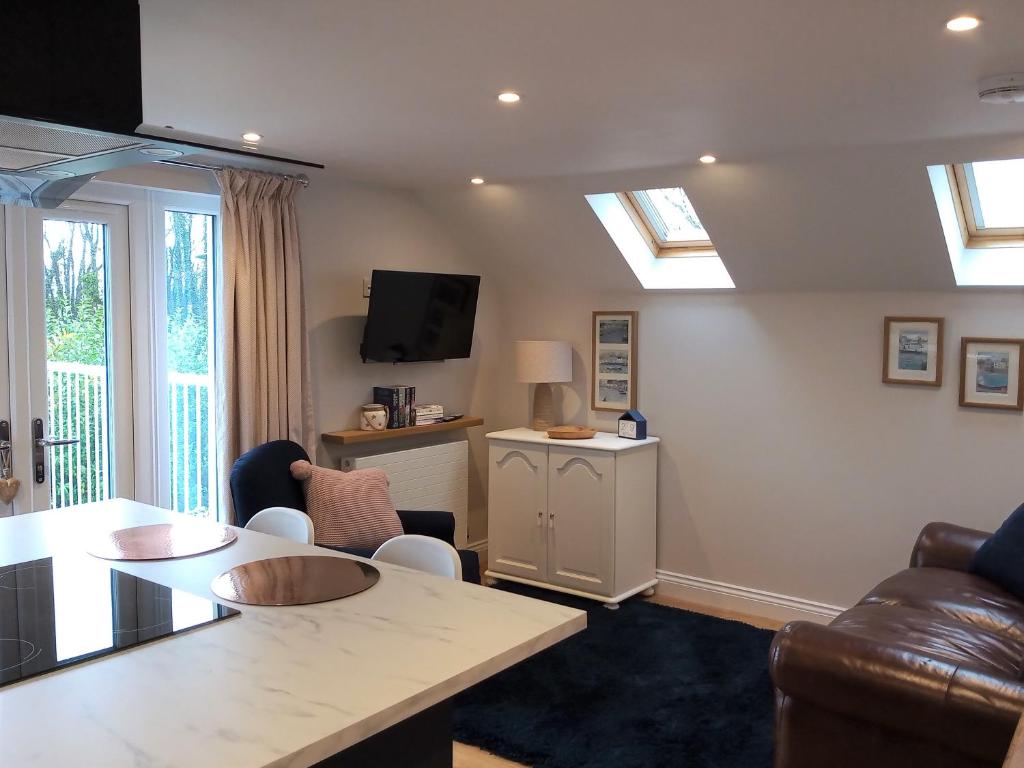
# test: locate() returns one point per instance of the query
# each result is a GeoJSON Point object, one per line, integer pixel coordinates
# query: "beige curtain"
{"type": "Point", "coordinates": [262, 353]}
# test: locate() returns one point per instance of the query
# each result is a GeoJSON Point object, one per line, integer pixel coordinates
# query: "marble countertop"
{"type": "Point", "coordinates": [602, 441]}
{"type": "Point", "coordinates": [285, 686]}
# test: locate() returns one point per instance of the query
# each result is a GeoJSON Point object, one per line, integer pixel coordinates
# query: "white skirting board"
{"type": "Point", "coordinates": [432, 477]}
{"type": "Point", "coordinates": [754, 602]}
{"type": "Point", "coordinates": [730, 597]}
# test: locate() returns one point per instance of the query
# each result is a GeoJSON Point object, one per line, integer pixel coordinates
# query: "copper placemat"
{"type": "Point", "coordinates": [295, 580]}
{"type": "Point", "coordinates": [163, 541]}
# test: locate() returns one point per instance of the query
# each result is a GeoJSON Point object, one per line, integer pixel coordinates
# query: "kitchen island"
{"type": "Point", "coordinates": [341, 682]}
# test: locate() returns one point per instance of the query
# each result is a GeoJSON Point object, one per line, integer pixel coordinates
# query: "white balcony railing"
{"type": "Point", "coordinates": [78, 408]}
{"type": "Point", "coordinates": [193, 458]}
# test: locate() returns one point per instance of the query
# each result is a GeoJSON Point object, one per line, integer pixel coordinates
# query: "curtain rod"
{"type": "Point", "coordinates": [301, 178]}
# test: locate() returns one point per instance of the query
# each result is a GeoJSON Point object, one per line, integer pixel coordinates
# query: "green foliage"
{"type": "Point", "coordinates": [73, 293]}
{"type": "Point", "coordinates": [75, 301]}
{"type": "Point", "coordinates": [187, 345]}
{"type": "Point", "coordinates": [187, 284]}
{"type": "Point", "coordinates": [81, 339]}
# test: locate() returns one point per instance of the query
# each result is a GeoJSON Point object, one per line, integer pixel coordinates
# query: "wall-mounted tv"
{"type": "Point", "coordinates": [419, 316]}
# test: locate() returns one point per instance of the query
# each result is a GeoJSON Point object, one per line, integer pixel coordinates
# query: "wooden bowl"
{"type": "Point", "coordinates": [571, 432]}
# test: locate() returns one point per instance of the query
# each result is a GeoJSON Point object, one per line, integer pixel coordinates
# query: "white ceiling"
{"type": "Point", "coordinates": [402, 91]}
{"type": "Point", "coordinates": [824, 114]}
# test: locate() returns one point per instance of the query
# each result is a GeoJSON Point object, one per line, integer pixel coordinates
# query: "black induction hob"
{"type": "Point", "coordinates": [57, 612]}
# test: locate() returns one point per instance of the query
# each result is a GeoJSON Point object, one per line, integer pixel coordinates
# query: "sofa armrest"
{"type": "Point", "coordinates": [967, 710]}
{"type": "Point", "coordinates": [437, 525]}
{"type": "Point", "coordinates": [944, 545]}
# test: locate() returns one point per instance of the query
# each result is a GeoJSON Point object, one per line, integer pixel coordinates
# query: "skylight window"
{"type": "Point", "coordinates": [981, 209]}
{"type": "Point", "coordinates": [667, 220]}
{"type": "Point", "coordinates": [652, 224]}
{"type": "Point", "coordinates": [989, 198]}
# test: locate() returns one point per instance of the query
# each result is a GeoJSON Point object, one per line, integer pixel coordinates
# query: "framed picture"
{"type": "Point", "coordinates": [912, 351]}
{"type": "Point", "coordinates": [991, 371]}
{"type": "Point", "coordinates": [613, 386]}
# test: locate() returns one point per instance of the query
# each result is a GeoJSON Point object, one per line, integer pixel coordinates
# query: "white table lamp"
{"type": "Point", "coordinates": [543, 363]}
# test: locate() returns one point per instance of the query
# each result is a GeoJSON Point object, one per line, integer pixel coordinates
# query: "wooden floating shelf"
{"type": "Point", "coordinates": [351, 436]}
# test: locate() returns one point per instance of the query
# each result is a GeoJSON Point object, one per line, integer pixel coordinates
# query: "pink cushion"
{"type": "Point", "coordinates": [348, 509]}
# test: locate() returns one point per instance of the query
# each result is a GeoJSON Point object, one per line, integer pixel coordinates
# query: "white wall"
{"type": "Point", "coordinates": [348, 229]}
{"type": "Point", "coordinates": [785, 464]}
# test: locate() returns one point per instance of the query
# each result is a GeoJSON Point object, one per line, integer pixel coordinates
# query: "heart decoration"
{"type": "Point", "coordinates": [9, 489]}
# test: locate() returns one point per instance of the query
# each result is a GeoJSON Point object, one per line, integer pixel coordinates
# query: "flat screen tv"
{"type": "Point", "coordinates": [419, 316]}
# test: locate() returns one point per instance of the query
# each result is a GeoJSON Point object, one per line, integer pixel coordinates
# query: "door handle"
{"type": "Point", "coordinates": [50, 442]}
{"type": "Point", "coordinates": [8, 483]}
{"type": "Point", "coordinates": [5, 450]}
{"type": "Point", "coordinates": [39, 444]}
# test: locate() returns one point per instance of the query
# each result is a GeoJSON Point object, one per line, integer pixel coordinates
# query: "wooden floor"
{"type": "Point", "coordinates": [471, 757]}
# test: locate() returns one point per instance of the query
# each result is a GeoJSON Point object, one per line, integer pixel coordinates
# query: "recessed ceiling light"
{"type": "Point", "coordinates": [708, 159]}
{"type": "Point", "coordinates": [476, 180]}
{"type": "Point", "coordinates": [251, 137]}
{"type": "Point", "coordinates": [963, 23]}
{"type": "Point", "coordinates": [508, 97]}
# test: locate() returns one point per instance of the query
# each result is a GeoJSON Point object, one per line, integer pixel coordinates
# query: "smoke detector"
{"type": "Point", "coordinates": [1002, 89]}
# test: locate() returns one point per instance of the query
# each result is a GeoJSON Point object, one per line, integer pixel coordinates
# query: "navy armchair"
{"type": "Point", "coordinates": [261, 478]}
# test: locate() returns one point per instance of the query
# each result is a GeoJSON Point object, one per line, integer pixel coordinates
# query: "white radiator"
{"type": "Point", "coordinates": [434, 477]}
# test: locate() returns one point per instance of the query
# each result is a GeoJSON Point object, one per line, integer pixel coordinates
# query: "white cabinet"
{"type": "Point", "coordinates": [517, 498]}
{"type": "Point", "coordinates": [575, 516]}
{"type": "Point", "coordinates": [581, 519]}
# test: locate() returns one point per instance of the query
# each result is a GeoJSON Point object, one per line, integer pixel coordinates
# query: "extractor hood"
{"type": "Point", "coordinates": [71, 103]}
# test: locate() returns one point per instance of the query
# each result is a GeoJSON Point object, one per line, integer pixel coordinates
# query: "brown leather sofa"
{"type": "Point", "coordinates": [926, 670]}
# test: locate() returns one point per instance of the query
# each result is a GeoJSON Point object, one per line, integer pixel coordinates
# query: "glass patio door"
{"type": "Point", "coordinates": [107, 350]}
{"type": "Point", "coordinates": [69, 354]}
{"type": "Point", "coordinates": [185, 259]}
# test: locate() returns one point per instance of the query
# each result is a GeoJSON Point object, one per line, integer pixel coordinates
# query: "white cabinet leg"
{"type": "Point", "coordinates": [611, 606]}
{"type": "Point", "coordinates": [649, 592]}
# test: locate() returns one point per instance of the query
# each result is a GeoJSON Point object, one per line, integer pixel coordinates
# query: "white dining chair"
{"type": "Point", "coordinates": [421, 553]}
{"type": "Point", "coordinates": [285, 522]}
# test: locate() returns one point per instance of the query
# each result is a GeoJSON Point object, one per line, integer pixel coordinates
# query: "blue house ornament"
{"type": "Point", "coordinates": [633, 425]}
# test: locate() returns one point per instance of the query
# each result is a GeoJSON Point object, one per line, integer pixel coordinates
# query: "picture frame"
{"type": "Point", "coordinates": [613, 361]}
{"type": "Point", "coordinates": [912, 350]}
{"type": "Point", "coordinates": [992, 373]}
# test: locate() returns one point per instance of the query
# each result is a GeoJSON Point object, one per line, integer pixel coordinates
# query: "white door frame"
{"type": "Point", "coordinates": [148, 266]}
{"type": "Point", "coordinates": [188, 202]}
{"type": "Point", "coordinates": [144, 292]}
{"type": "Point", "coordinates": [146, 206]}
{"type": "Point", "coordinates": [27, 334]}
{"type": "Point", "coordinates": [137, 287]}
{"type": "Point", "coordinates": [5, 371]}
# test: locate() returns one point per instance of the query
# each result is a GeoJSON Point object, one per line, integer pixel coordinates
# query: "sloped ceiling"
{"type": "Point", "coordinates": [826, 220]}
{"type": "Point", "coordinates": [823, 115]}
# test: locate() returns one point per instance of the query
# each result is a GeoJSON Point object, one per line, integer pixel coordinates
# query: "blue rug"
{"type": "Point", "coordinates": [642, 687]}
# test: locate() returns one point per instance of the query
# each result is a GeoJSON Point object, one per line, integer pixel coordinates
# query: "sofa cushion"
{"type": "Point", "coordinates": [938, 637]}
{"type": "Point", "coordinates": [958, 595]}
{"type": "Point", "coordinates": [348, 509]}
{"type": "Point", "coordinates": [1001, 558]}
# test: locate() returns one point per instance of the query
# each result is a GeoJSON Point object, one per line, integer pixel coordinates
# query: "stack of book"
{"type": "Point", "coordinates": [401, 402]}
{"type": "Point", "coordinates": [429, 414]}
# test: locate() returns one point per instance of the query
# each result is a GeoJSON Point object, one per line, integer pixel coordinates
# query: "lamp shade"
{"type": "Point", "coordinates": [543, 362]}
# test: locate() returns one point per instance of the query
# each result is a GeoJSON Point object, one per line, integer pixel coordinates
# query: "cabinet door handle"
{"type": "Point", "coordinates": [551, 519]}
{"type": "Point", "coordinates": [540, 517]}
